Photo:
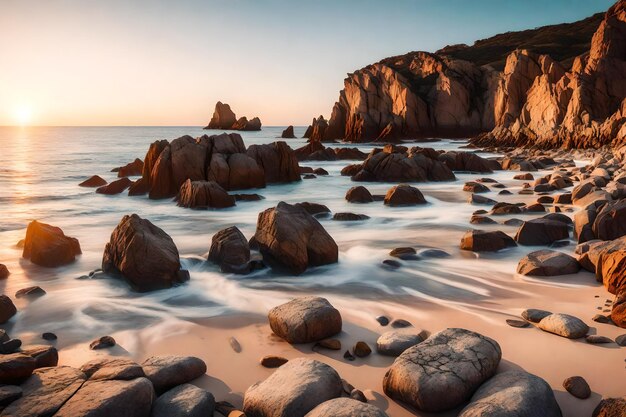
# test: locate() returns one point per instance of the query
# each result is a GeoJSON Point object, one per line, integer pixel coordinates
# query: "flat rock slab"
{"type": "Point", "coordinates": [112, 368]}
{"type": "Point", "coordinates": [305, 320]}
{"type": "Point", "coordinates": [110, 398]}
{"type": "Point", "coordinates": [45, 392]}
{"type": "Point", "coordinates": [444, 371]}
{"type": "Point", "coordinates": [166, 372]}
{"type": "Point", "coordinates": [513, 393]}
{"type": "Point", "coordinates": [293, 390]}
{"type": "Point", "coordinates": [394, 342]}
{"type": "Point", "coordinates": [564, 325]}
{"type": "Point", "coordinates": [547, 263]}
{"type": "Point", "coordinates": [184, 401]}
{"type": "Point", "coordinates": [346, 407]}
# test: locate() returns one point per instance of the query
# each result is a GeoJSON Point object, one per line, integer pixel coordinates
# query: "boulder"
{"type": "Point", "coordinates": [45, 391]}
{"type": "Point", "coordinates": [288, 133]}
{"type": "Point", "coordinates": [131, 169]}
{"type": "Point", "coordinates": [610, 407]}
{"type": "Point", "coordinates": [293, 390]}
{"type": "Point", "coordinates": [110, 398]}
{"type": "Point", "coordinates": [115, 187]}
{"type": "Point", "coordinates": [223, 117]}
{"type": "Point", "coordinates": [47, 245]}
{"type": "Point", "coordinates": [16, 367]}
{"type": "Point", "coordinates": [349, 217]}
{"type": "Point", "coordinates": [564, 325]}
{"type": "Point", "coordinates": [394, 342]}
{"type": "Point", "coordinates": [139, 187]}
{"type": "Point", "coordinates": [610, 222]}
{"type": "Point", "coordinates": [203, 195]}
{"type": "Point", "coordinates": [7, 309]}
{"type": "Point", "coordinates": [577, 386]}
{"type": "Point", "coordinates": [189, 157]}
{"type": "Point", "coordinates": [93, 181]}
{"type": "Point", "coordinates": [314, 209]}
{"type": "Point", "coordinates": [305, 320]}
{"type": "Point", "coordinates": [444, 371]}
{"type": "Point", "coordinates": [345, 407]}
{"type": "Point", "coordinates": [166, 372]}
{"type": "Point", "coordinates": [125, 254]}
{"type": "Point", "coordinates": [112, 368]}
{"type": "Point", "coordinates": [541, 232]}
{"type": "Point", "coordinates": [8, 394]}
{"type": "Point", "coordinates": [43, 355]}
{"type": "Point", "coordinates": [618, 312]}
{"type": "Point", "coordinates": [359, 194]}
{"type": "Point", "coordinates": [398, 167]}
{"type": "Point", "coordinates": [30, 292]}
{"type": "Point", "coordinates": [486, 241]}
{"type": "Point", "coordinates": [535, 315]}
{"type": "Point", "coordinates": [513, 393]}
{"type": "Point", "coordinates": [611, 270]}
{"type": "Point", "coordinates": [237, 171]}
{"type": "Point", "coordinates": [465, 161]}
{"type": "Point", "coordinates": [404, 195]}
{"type": "Point", "coordinates": [547, 263]}
{"type": "Point", "coordinates": [290, 238]}
{"type": "Point", "coordinates": [4, 272]}
{"type": "Point", "coordinates": [230, 250]}
{"type": "Point", "coordinates": [278, 161]}
{"type": "Point", "coordinates": [184, 401]}
{"type": "Point", "coordinates": [475, 187]}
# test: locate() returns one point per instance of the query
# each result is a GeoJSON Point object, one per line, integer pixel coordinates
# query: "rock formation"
{"type": "Point", "coordinates": [288, 133]}
{"type": "Point", "coordinates": [224, 119]}
{"type": "Point", "coordinates": [48, 246]}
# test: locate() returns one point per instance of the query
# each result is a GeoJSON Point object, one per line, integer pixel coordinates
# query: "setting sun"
{"type": "Point", "coordinates": [23, 115]}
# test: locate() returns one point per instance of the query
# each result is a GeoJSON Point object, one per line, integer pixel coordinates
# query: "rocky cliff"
{"type": "Point", "coordinates": [573, 99]}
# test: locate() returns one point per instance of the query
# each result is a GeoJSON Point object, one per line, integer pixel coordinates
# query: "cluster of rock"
{"type": "Point", "coordinates": [316, 151]}
{"type": "Point", "coordinates": [535, 100]}
{"type": "Point", "coordinates": [224, 119]}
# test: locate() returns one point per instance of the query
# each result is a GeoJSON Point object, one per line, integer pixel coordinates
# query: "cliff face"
{"type": "Point", "coordinates": [534, 100]}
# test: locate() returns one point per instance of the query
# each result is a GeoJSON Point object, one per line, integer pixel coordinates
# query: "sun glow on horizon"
{"type": "Point", "coordinates": [23, 115]}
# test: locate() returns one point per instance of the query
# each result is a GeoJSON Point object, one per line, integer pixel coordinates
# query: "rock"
{"type": "Point", "coordinates": [15, 367]}
{"type": "Point", "coordinates": [541, 232]}
{"type": "Point", "coordinates": [520, 324]}
{"type": "Point", "coordinates": [115, 187]}
{"type": "Point", "coordinates": [112, 368]}
{"type": "Point", "coordinates": [482, 220]}
{"type": "Point", "coordinates": [400, 323]}
{"type": "Point", "coordinates": [466, 161]}
{"type": "Point", "coordinates": [10, 345]}
{"type": "Point", "coordinates": [345, 407]}
{"type": "Point", "coordinates": [248, 197]}
{"type": "Point", "coordinates": [31, 292]}
{"type": "Point", "coordinates": [247, 125]}
{"type": "Point", "coordinates": [139, 187]}
{"type": "Point", "coordinates": [131, 169]}
{"type": "Point", "coordinates": [444, 371]}
{"type": "Point", "coordinates": [305, 320]}
{"type": "Point", "coordinates": [230, 250]}
{"type": "Point", "coordinates": [227, 409]}
{"type": "Point", "coordinates": [513, 393]}
{"type": "Point", "coordinates": [406, 254]}
{"type": "Point", "coordinates": [475, 187]}
{"type": "Point", "coordinates": [618, 313]}
{"type": "Point", "coordinates": [610, 222]}
{"type": "Point", "coordinates": [332, 344]}
{"type": "Point", "coordinates": [313, 208]}
{"type": "Point", "coordinates": [43, 355]}
{"type": "Point", "coordinates": [391, 165]}
{"type": "Point", "coordinates": [479, 199]}
{"type": "Point", "coordinates": [45, 391]}
{"type": "Point", "coordinates": [382, 320]}
{"type": "Point", "coordinates": [404, 195]}
{"type": "Point", "coordinates": [361, 349]}
{"type": "Point", "coordinates": [110, 398]}
{"type": "Point", "coordinates": [611, 270]}
{"type": "Point", "coordinates": [125, 254]}
{"type": "Point", "coordinates": [102, 343]}
{"type": "Point", "coordinates": [577, 386]}
{"type": "Point", "coordinates": [359, 194]}
{"type": "Point", "coordinates": [391, 264]}
{"type": "Point", "coordinates": [394, 342]}
{"type": "Point", "coordinates": [184, 401]}
{"type": "Point", "coordinates": [320, 171]}
{"type": "Point", "coordinates": [293, 390]}
{"type": "Point", "coordinates": [223, 117]}
{"type": "Point", "coordinates": [290, 238]}
{"type": "Point", "coordinates": [598, 340]}
{"type": "Point", "coordinates": [535, 315]}
{"type": "Point", "coordinates": [610, 407]}
{"type": "Point", "coordinates": [600, 318]}
{"type": "Point", "coordinates": [505, 208]}
{"type": "Point", "coordinates": [564, 325]}
{"type": "Point", "coordinates": [8, 394]}
{"type": "Point", "coordinates": [358, 395]}
{"type": "Point", "coordinates": [288, 133]}
{"type": "Point", "coordinates": [621, 340]}
{"type": "Point", "coordinates": [49, 336]}
{"type": "Point", "coordinates": [273, 361]}
{"type": "Point", "coordinates": [203, 194]}
{"type": "Point", "coordinates": [234, 344]}
{"type": "Point", "coordinates": [166, 372]}
{"type": "Point", "coordinates": [524, 177]}
{"type": "Point", "coordinates": [93, 181]}
{"type": "Point", "coordinates": [486, 241]}
{"type": "Point", "coordinates": [278, 161]}
{"type": "Point", "coordinates": [547, 263]}
{"type": "Point", "coordinates": [348, 356]}
{"type": "Point", "coordinates": [4, 272]}
{"type": "Point", "coordinates": [7, 309]}
{"type": "Point", "coordinates": [47, 245]}
{"type": "Point", "coordinates": [349, 217]}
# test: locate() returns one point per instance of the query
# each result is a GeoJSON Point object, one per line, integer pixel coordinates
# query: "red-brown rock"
{"type": "Point", "coordinates": [48, 246]}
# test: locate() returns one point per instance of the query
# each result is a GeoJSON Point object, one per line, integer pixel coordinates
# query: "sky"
{"type": "Point", "coordinates": [166, 63]}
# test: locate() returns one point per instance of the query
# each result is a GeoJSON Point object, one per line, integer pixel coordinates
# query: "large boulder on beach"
{"type": "Point", "coordinates": [564, 325]}
{"type": "Point", "coordinates": [610, 222]}
{"type": "Point", "coordinates": [359, 194]}
{"type": "Point", "coordinates": [47, 245]}
{"type": "Point", "coordinates": [45, 391]}
{"type": "Point", "coordinates": [184, 401]}
{"type": "Point", "coordinates": [278, 161]}
{"type": "Point", "coordinates": [131, 169]}
{"type": "Point", "coordinates": [541, 232]}
{"type": "Point", "coordinates": [513, 393]}
{"type": "Point", "coordinates": [110, 398]}
{"type": "Point", "coordinates": [611, 270]}
{"type": "Point", "coordinates": [166, 372]}
{"type": "Point", "coordinates": [203, 195]}
{"type": "Point", "coordinates": [486, 241]}
{"type": "Point", "coordinates": [230, 250]}
{"type": "Point", "coordinates": [288, 133]}
{"type": "Point", "coordinates": [547, 263]}
{"type": "Point", "coordinates": [223, 117]}
{"type": "Point", "coordinates": [394, 342]}
{"type": "Point", "coordinates": [16, 367]}
{"type": "Point", "coordinates": [305, 320]}
{"type": "Point", "coordinates": [444, 371]}
{"type": "Point", "coordinates": [610, 407]}
{"type": "Point", "coordinates": [7, 309]}
{"type": "Point", "coordinates": [404, 195]}
{"type": "Point", "coordinates": [112, 368]}
{"type": "Point", "coordinates": [618, 312]}
{"type": "Point", "coordinates": [290, 238]}
{"type": "Point", "coordinates": [293, 390]}
{"type": "Point", "coordinates": [143, 254]}
{"type": "Point", "coordinates": [346, 407]}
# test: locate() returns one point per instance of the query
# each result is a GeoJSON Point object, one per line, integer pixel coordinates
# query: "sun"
{"type": "Point", "coordinates": [23, 115]}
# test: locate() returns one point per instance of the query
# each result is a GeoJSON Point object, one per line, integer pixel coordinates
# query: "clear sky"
{"type": "Point", "coordinates": [166, 62]}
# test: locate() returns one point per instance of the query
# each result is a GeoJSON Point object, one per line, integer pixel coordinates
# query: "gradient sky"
{"type": "Point", "coordinates": [163, 62]}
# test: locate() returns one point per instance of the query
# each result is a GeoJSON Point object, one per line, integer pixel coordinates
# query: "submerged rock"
{"type": "Point", "coordinates": [230, 250]}
{"type": "Point", "coordinates": [359, 194]}
{"type": "Point", "coordinates": [404, 195]}
{"type": "Point", "coordinates": [47, 245]}
{"type": "Point", "coordinates": [486, 241]}
{"type": "Point", "coordinates": [541, 232]}
{"type": "Point", "coordinates": [93, 181]}
{"type": "Point", "coordinates": [305, 320]}
{"type": "Point", "coordinates": [115, 187]}
{"type": "Point", "coordinates": [288, 133]}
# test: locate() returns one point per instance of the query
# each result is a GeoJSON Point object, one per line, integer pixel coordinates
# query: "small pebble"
{"type": "Point", "coordinates": [577, 386]}
{"type": "Point", "coordinates": [400, 323]}
{"type": "Point", "coordinates": [600, 318]}
{"type": "Point", "coordinates": [392, 264]}
{"type": "Point", "coordinates": [272, 361]}
{"type": "Point", "coordinates": [517, 323]}
{"type": "Point", "coordinates": [332, 344]}
{"type": "Point", "coordinates": [10, 346]}
{"type": "Point", "coordinates": [596, 340]}
{"type": "Point", "coordinates": [234, 344]}
{"type": "Point", "coordinates": [348, 356]}
{"type": "Point", "coordinates": [101, 343]}
{"type": "Point", "coordinates": [382, 320]}
{"type": "Point", "coordinates": [361, 349]}
{"type": "Point", "coordinates": [49, 336]}
{"type": "Point", "coordinates": [621, 340]}
{"type": "Point", "coordinates": [33, 292]}
{"type": "Point", "coordinates": [358, 395]}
